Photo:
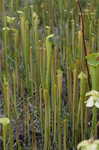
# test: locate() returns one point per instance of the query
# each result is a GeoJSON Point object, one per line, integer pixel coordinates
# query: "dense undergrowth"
{"type": "Point", "coordinates": [44, 74]}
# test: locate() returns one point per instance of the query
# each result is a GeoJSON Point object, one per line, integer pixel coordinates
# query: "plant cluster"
{"type": "Point", "coordinates": [49, 60]}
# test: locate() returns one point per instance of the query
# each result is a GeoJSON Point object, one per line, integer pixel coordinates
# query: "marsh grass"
{"type": "Point", "coordinates": [43, 53]}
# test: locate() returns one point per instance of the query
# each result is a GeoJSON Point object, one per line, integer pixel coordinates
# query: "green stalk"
{"type": "Point", "coordinates": [31, 70]}
{"type": "Point", "coordinates": [43, 65]}
{"type": "Point", "coordinates": [17, 58]}
{"type": "Point", "coordinates": [6, 93]}
{"type": "Point", "coordinates": [75, 103]}
{"type": "Point", "coordinates": [80, 45]}
{"type": "Point", "coordinates": [4, 122]}
{"type": "Point", "coordinates": [55, 110]}
{"type": "Point", "coordinates": [11, 5]}
{"type": "Point", "coordinates": [41, 109]}
{"type": "Point", "coordinates": [17, 4]}
{"type": "Point", "coordinates": [73, 38]}
{"type": "Point", "coordinates": [25, 43]}
{"type": "Point", "coordinates": [5, 53]}
{"type": "Point", "coordinates": [81, 110]}
{"type": "Point", "coordinates": [2, 12]}
{"type": "Point", "coordinates": [47, 120]}
{"type": "Point", "coordinates": [35, 45]}
{"type": "Point", "coordinates": [69, 73]}
{"type": "Point", "coordinates": [14, 92]}
{"type": "Point", "coordinates": [94, 73]}
{"type": "Point", "coordinates": [59, 109]}
{"type": "Point", "coordinates": [49, 45]}
{"type": "Point", "coordinates": [98, 34]}
{"type": "Point", "coordinates": [65, 134]}
{"type": "Point", "coordinates": [11, 137]}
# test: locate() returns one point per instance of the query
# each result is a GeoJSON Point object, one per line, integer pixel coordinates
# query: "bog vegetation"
{"type": "Point", "coordinates": [49, 60]}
